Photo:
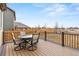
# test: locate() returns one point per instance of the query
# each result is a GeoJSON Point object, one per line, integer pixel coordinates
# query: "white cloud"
{"type": "Point", "coordinates": [55, 9]}
{"type": "Point", "coordinates": [60, 9]}
{"type": "Point", "coordinates": [39, 4]}
{"type": "Point", "coordinates": [47, 9]}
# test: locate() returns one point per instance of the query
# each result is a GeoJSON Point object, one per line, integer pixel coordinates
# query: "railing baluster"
{"type": "Point", "coordinates": [68, 39]}
{"type": "Point", "coordinates": [72, 40]}
{"type": "Point", "coordinates": [77, 41]}
{"type": "Point", "coordinates": [45, 35]}
{"type": "Point", "coordinates": [62, 38]}
{"type": "Point", "coordinates": [65, 39]}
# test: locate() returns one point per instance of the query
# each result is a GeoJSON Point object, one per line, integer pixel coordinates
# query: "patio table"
{"type": "Point", "coordinates": [26, 39]}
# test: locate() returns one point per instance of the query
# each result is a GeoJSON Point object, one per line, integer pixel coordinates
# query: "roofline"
{"type": "Point", "coordinates": [3, 7]}
{"type": "Point", "coordinates": [11, 9]}
{"type": "Point", "coordinates": [22, 27]}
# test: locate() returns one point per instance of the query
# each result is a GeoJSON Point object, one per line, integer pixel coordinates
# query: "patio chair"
{"type": "Point", "coordinates": [33, 44]}
{"type": "Point", "coordinates": [19, 44]}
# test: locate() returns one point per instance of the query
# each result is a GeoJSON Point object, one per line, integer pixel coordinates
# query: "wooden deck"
{"type": "Point", "coordinates": [45, 48]}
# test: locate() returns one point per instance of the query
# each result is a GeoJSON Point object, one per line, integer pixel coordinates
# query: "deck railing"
{"type": "Point", "coordinates": [8, 37]}
{"type": "Point", "coordinates": [64, 39]}
{"type": "Point", "coordinates": [71, 40]}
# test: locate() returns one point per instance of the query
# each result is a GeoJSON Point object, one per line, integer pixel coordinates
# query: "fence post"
{"type": "Point", "coordinates": [45, 35]}
{"type": "Point", "coordinates": [62, 38]}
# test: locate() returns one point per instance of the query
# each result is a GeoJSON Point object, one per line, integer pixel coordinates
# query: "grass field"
{"type": "Point", "coordinates": [52, 37]}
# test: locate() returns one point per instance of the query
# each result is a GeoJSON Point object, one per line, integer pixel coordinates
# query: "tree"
{"type": "Point", "coordinates": [39, 27]}
{"type": "Point", "coordinates": [56, 27]}
{"type": "Point", "coordinates": [45, 26]}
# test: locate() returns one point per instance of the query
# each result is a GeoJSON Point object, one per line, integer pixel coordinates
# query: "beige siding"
{"type": "Point", "coordinates": [8, 17]}
{"type": "Point", "coordinates": [0, 19]}
{"type": "Point", "coordinates": [1, 37]}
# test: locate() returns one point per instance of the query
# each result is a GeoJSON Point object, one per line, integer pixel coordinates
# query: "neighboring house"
{"type": "Point", "coordinates": [7, 17]}
{"type": "Point", "coordinates": [20, 26]}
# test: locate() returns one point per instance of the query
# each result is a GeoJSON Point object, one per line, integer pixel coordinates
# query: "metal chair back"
{"type": "Point", "coordinates": [36, 37]}
{"type": "Point", "coordinates": [14, 39]}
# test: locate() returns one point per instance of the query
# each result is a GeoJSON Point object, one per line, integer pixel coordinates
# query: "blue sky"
{"type": "Point", "coordinates": [34, 14]}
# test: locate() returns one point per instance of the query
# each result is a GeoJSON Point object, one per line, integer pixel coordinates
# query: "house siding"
{"type": "Point", "coordinates": [1, 28]}
{"type": "Point", "coordinates": [1, 37]}
{"type": "Point", "coordinates": [0, 20]}
{"type": "Point", "coordinates": [8, 18]}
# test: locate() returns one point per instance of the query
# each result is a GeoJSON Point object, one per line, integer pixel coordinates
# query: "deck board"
{"type": "Point", "coordinates": [45, 48]}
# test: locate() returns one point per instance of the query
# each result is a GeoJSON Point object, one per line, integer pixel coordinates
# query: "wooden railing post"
{"type": "Point", "coordinates": [62, 38]}
{"type": "Point", "coordinates": [3, 38]}
{"type": "Point", "coordinates": [45, 35]}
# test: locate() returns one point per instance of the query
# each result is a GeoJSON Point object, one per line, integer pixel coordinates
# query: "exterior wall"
{"type": "Point", "coordinates": [8, 18]}
{"type": "Point", "coordinates": [0, 19]}
{"type": "Point", "coordinates": [1, 37]}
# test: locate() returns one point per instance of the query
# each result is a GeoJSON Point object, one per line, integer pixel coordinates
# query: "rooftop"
{"type": "Point", "coordinates": [20, 25]}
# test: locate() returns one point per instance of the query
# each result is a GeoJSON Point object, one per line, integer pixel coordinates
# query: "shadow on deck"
{"type": "Point", "coordinates": [45, 48]}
